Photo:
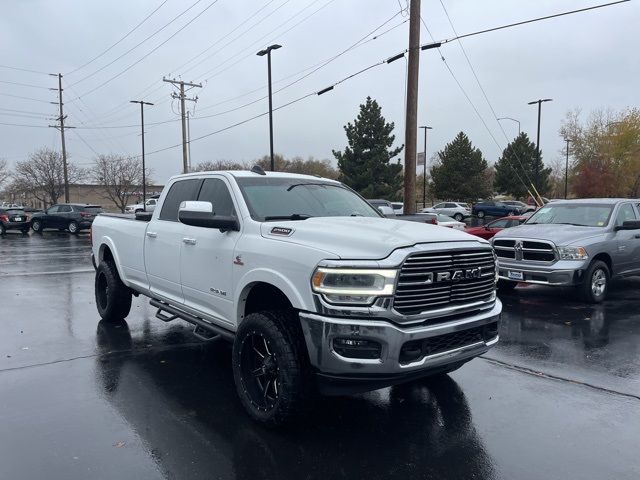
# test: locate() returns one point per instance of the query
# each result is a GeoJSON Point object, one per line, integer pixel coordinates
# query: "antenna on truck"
{"type": "Point", "coordinates": [258, 169]}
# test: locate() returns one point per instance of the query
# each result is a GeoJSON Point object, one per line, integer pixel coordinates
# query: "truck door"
{"type": "Point", "coordinates": [207, 258]}
{"type": "Point", "coordinates": [163, 241]}
{"type": "Point", "coordinates": [627, 245]}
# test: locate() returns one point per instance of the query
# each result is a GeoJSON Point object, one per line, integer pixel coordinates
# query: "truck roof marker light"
{"type": "Point", "coordinates": [258, 169]}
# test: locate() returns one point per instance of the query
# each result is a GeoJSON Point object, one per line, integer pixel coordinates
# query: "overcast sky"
{"type": "Point", "coordinates": [588, 60]}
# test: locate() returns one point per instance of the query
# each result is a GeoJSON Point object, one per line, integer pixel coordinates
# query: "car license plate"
{"type": "Point", "coordinates": [515, 275]}
{"type": "Point", "coordinates": [17, 219]}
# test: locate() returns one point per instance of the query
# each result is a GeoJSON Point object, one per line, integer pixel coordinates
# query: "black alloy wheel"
{"type": "Point", "coordinates": [259, 371]}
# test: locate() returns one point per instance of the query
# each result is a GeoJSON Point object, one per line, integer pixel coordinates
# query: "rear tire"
{"type": "Point", "coordinates": [113, 298]}
{"type": "Point", "coordinates": [271, 368]}
{"type": "Point", "coordinates": [73, 227]}
{"type": "Point", "coordinates": [459, 217]}
{"type": "Point", "coordinates": [480, 214]}
{"type": "Point", "coordinates": [595, 284]}
{"type": "Point", "coordinates": [36, 226]}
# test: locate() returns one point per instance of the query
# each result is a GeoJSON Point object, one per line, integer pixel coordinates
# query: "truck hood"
{"type": "Point", "coordinates": [558, 234]}
{"type": "Point", "coordinates": [361, 237]}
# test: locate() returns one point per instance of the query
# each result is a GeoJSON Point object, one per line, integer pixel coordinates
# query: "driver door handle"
{"type": "Point", "coordinates": [637, 235]}
{"type": "Point", "coordinates": [152, 234]}
{"type": "Point", "coordinates": [189, 241]}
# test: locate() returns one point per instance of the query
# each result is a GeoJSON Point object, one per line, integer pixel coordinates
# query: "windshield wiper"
{"type": "Point", "coordinates": [574, 224]}
{"type": "Point", "coordinates": [293, 216]}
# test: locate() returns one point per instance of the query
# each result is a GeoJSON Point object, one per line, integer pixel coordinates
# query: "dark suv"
{"type": "Point", "coordinates": [66, 216]}
{"type": "Point", "coordinates": [13, 219]}
{"type": "Point", "coordinates": [494, 209]}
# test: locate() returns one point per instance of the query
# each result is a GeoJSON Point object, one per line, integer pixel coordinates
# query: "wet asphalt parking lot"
{"type": "Point", "coordinates": [558, 398]}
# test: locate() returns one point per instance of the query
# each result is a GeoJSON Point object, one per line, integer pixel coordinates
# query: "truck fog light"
{"type": "Point", "coordinates": [357, 348]}
{"type": "Point", "coordinates": [349, 299]}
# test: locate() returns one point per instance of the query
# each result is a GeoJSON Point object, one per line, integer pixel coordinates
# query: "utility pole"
{"type": "Point", "coordinates": [61, 127]}
{"type": "Point", "coordinates": [267, 51]}
{"type": "Point", "coordinates": [411, 121]}
{"type": "Point", "coordinates": [181, 96]}
{"type": "Point", "coordinates": [144, 168]}
{"type": "Point", "coordinates": [566, 170]}
{"type": "Point", "coordinates": [537, 172]}
{"type": "Point", "coordinates": [189, 140]}
{"type": "Point", "coordinates": [424, 170]}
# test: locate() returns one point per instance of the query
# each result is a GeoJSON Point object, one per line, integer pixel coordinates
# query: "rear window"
{"type": "Point", "coordinates": [15, 211]}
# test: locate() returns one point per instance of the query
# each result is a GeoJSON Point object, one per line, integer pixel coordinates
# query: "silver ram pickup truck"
{"type": "Point", "coordinates": [582, 243]}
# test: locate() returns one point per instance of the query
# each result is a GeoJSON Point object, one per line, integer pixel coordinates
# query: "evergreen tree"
{"type": "Point", "coordinates": [519, 164]}
{"type": "Point", "coordinates": [365, 163]}
{"type": "Point", "coordinates": [461, 172]}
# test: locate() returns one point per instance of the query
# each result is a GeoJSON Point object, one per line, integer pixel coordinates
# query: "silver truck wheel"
{"type": "Point", "coordinates": [595, 283]}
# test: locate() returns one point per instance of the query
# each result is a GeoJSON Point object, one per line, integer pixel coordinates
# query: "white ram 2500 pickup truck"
{"type": "Point", "coordinates": [314, 287]}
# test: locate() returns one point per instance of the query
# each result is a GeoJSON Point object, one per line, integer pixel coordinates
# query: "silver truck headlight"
{"type": "Point", "coordinates": [572, 253]}
{"type": "Point", "coordinates": [353, 286]}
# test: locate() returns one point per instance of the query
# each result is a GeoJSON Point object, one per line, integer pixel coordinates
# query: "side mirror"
{"type": "Point", "coordinates": [629, 225]}
{"type": "Point", "coordinates": [200, 214]}
{"type": "Point", "coordinates": [386, 211]}
{"type": "Point", "coordinates": [487, 228]}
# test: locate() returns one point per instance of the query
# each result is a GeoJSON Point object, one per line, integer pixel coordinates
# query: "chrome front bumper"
{"type": "Point", "coordinates": [320, 332]}
{"type": "Point", "coordinates": [561, 273]}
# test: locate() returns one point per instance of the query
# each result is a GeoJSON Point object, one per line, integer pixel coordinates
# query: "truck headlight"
{"type": "Point", "coordinates": [353, 285]}
{"type": "Point", "coordinates": [572, 253]}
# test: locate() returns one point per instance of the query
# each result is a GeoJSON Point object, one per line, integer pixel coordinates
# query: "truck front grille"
{"type": "Point", "coordinates": [436, 280]}
{"type": "Point", "coordinates": [514, 249]}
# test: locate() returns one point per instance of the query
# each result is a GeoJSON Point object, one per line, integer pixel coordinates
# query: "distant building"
{"type": "Point", "coordinates": [83, 193]}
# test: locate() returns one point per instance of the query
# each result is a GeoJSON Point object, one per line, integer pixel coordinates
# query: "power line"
{"type": "Point", "coordinates": [119, 41]}
{"type": "Point", "coordinates": [23, 125]}
{"type": "Point", "coordinates": [152, 51]}
{"type": "Point", "coordinates": [23, 69]}
{"type": "Point", "coordinates": [24, 98]}
{"type": "Point", "coordinates": [138, 44]}
{"type": "Point", "coordinates": [24, 84]}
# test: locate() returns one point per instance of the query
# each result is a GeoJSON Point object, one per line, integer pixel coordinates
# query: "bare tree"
{"type": "Point", "coordinates": [210, 165]}
{"type": "Point", "coordinates": [42, 175]}
{"type": "Point", "coordinates": [4, 171]}
{"type": "Point", "coordinates": [119, 178]}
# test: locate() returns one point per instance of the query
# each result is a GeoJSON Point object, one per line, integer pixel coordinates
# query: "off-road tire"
{"type": "Point", "coordinates": [73, 227]}
{"type": "Point", "coordinates": [36, 226]}
{"type": "Point", "coordinates": [586, 288]}
{"type": "Point", "coordinates": [113, 298]}
{"type": "Point", "coordinates": [280, 333]}
{"type": "Point", "coordinates": [480, 214]}
{"type": "Point", "coordinates": [459, 217]}
{"type": "Point", "coordinates": [506, 285]}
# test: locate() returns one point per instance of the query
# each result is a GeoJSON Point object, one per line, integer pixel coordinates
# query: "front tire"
{"type": "Point", "coordinates": [271, 368]}
{"type": "Point", "coordinates": [480, 214]}
{"type": "Point", "coordinates": [36, 226]}
{"type": "Point", "coordinates": [73, 227]}
{"type": "Point", "coordinates": [596, 282]}
{"type": "Point", "coordinates": [113, 298]}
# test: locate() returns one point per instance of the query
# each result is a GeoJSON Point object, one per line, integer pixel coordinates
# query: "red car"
{"type": "Point", "coordinates": [490, 229]}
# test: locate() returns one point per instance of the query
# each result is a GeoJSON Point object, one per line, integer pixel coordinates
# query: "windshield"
{"type": "Point", "coordinates": [582, 214]}
{"type": "Point", "coordinates": [296, 199]}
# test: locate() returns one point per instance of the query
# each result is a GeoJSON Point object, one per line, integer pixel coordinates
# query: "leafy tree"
{"type": "Point", "coordinates": [119, 178]}
{"type": "Point", "coordinates": [42, 175]}
{"type": "Point", "coordinates": [4, 171]}
{"type": "Point", "coordinates": [213, 165]}
{"type": "Point", "coordinates": [310, 166]}
{"type": "Point", "coordinates": [365, 165]}
{"type": "Point", "coordinates": [461, 173]}
{"type": "Point", "coordinates": [517, 167]}
{"type": "Point", "coordinates": [605, 149]}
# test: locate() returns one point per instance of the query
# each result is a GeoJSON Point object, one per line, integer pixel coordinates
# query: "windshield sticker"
{"type": "Point", "coordinates": [283, 231]}
{"type": "Point", "coordinates": [601, 224]}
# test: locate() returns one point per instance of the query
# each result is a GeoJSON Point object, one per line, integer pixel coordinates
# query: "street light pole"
{"type": "Point", "coordinates": [539, 102]}
{"type": "Point", "coordinates": [261, 53]}
{"type": "Point", "coordinates": [513, 120]}
{"type": "Point", "coordinates": [566, 170]}
{"type": "Point", "coordinates": [144, 168]}
{"type": "Point", "coordinates": [424, 170]}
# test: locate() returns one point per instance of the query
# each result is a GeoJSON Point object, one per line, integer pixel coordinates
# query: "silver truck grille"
{"type": "Point", "coordinates": [514, 249]}
{"type": "Point", "coordinates": [435, 280]}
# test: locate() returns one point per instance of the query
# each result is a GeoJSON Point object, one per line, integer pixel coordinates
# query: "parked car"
{"type": "Point", "coordinates": [456, 210]}
{"type": "Point", "coordinates": [581, 243]}
{"type": "Point", "coordinates": [139, 207]}
{"type": "Point", "coordinates": [66, 216]}
{"type": "Point", "coordinates": [446, 221]}
{"type": "Point", "coordinates": [494, 209]}
{"type": "Point", "coordinates": [384, 206]}
{"type": "Point", "coordinates": [490, 229]}
{"type": "Point", "coordinates": [398, 207]}
{"type": "Point", "coordinates": [13, 218]}
{"type": "Point", "coordinates": [521, 205]}
{"type": "Point", "coordinates": [279, 264]}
